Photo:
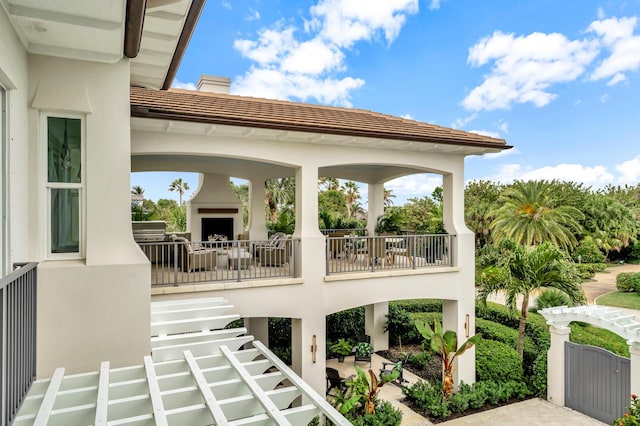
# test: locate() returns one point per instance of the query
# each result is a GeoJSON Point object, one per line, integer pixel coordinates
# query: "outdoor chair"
{"type": "Point", "coordinates": [362, 350]}
{"type": "Point", "coordinates": [334, 381]}
{"type": "Point", "coordinates": [276, 254]}
{"type": "Point", "coordinates": [195, 256]}
{"type": "Point", "coordinates": [390, 367]}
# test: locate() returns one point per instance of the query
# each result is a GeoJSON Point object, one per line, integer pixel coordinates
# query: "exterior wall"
{"type": "Point", "coordinates": [14, 78]}
{"type": "Point", "coordinates": [97, 308]}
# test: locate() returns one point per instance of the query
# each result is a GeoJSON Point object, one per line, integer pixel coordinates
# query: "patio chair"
{"type": "Point", "coordinates": [195, 256]}
{"type": "Point", "coordinates": [390, 367]}
{"type": "Point", "coordinates": [276, 254]}
{"type": "Point", "coordinates": [334, 381]}
{"type": "Point", "coordinates": [362, 350]}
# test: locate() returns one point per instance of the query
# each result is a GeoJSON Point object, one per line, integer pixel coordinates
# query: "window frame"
{"type": "Point", "coordinates": [49, 186]}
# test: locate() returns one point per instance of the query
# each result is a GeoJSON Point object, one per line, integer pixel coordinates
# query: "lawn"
{"type": "Point", "coordinates": [619, 299]}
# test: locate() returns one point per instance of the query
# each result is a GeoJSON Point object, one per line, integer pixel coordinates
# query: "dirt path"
{"type": "Point", "coordinates": [605, 282]}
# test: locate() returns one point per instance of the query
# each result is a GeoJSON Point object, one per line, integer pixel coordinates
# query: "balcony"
{"type": "Point", "coordinates": [183, 262]}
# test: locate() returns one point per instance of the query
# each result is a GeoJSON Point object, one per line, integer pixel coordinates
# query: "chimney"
{"type": "Point", "coordinates": [214, 84]}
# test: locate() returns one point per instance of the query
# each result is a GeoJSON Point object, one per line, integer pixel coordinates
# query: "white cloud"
{"type": "Point", "coordinates": [617, 36]}
{"type": "Point", "coordinates": [435, 4]}
{"type": "Point", "coordinates": [413, 186]}
{"type": "Point", "coordinates": [180, 85]}
{"type": "Point", "coordinates": [525, 67]}
{"type": "Point", "coordinates": [486, 133]}
{"type": "Point", "coordinates": [601, 14]}
{"type": "Point", "coordinates": [461, 122]}
{"type": "Point", "coordinates": [253, 15]}
{"type": "Point", "coordinates": [629, 171]}
{"type": "Point", "coordinates": [604, 98]}
{"type": "Point", "coordinates": [504, 127]}
{"type": "Point", "coordinates": [501, 154]}
{"type": "Point", "coordinates": [407, 116]}
{"type": "Point", "coordinates": [596, 176]}
{"type": "Point", "coordinates": [226, 4]}
{"type": "Point", "coordinates": [306, 65]}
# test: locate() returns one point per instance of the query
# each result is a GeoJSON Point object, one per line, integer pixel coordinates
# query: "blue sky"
{"type": "Point", "coordinates": [559, 80]}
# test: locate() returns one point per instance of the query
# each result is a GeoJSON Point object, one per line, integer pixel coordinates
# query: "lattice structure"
{"type": "Point", "coordinates": [197, 375]}
{"type": "Point", "coordinates": [612, 319]}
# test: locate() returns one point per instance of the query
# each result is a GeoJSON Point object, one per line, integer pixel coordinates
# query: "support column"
{"type": "Point", "coordinates": [555, 364]}
{"type": "Point", "coordinates": [302, 348]}
{"type": "Point", "coordinates": [634, 351]}
{"type": "Point", "coordinates": [311, 252]}
{"type": "Point", "coordinates": [257, 220]}
{"type": "Point", "coordinates": [375, 205]}
{"type": "Point", "coordinates": [454, 317]}
{"type": "Point", "coordinates": [258, 327]}
{"type": "Point", "coordinates": [375, 317]}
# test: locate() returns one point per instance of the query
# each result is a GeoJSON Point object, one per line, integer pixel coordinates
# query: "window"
{"type": "Point", "coordinates": [65, 186]}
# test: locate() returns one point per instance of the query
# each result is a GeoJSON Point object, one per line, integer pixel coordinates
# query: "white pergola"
{"type": "Point", "coordinates": [612, 319]}
{"type": "Point", "coordinates": [196, 375]}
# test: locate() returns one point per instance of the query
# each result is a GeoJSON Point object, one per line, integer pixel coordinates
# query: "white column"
{"type": "Point", "coordinates": [258, 328]}
{"type": "Point", "coordinates": [454, 317]}
{"type": "Point", "coordinates": [311, 252]}
{"type": "Point", "coordinates": [634, 351]}
{"type": "Point", "coordinates": [375, 317]}
{"type": "Point", "coordinates": [555, 364]}
{"type": "Point", "coordinates": [375, 205]}
{"type": "Point", "coordinates": [257, 220]}
{"type": "Point", "coordinates": [302, 356]}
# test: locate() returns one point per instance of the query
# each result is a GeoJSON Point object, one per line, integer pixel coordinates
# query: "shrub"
{"type": "Point", "coordinates": [497, 362]}
{"type": "Point", "coordinates": [551, 297]}
{"type": "Point", "coordinates": [624, 281]}
{"type": "Point", "coordinates": [586, 334]}
{"type": "Point", "coordinates": [536, 327]}
{"type": "Point", "coordinates": [588, 252]}
{"type": "Point", "coordinates": [588, 270]}
{"type": "Point", "coordinates": [494, 331]}
{"type": "Point", "coordinates": [632, 416]}
{"type": "Point", "coordinates": [399, 325]}
{"type": "Point", "coordinates": [280, 338]}
{"type": "Point", "coordinates": [419, 360]}
{"type": "Point", "coordinates": [428, 397]}
{"type": "Point", "coordinates": [384, 414]}
{"type": "Point", "coordinates": [538, 378]}
{"type": "Point", "coordinates": [347, 323]}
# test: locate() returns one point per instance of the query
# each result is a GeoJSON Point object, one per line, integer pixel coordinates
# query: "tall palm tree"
{"type": "Point", "coordinates": [352, 195]}
{"type": "Point", "coordinates": [523, 270]}
{"type": "Point", "coordinates": [180, 186]}
{"type": "Point", "coordinates": [279, 192]}
{"type": "Point", "coordinates": [387, 197]}
{"type": "Point", "coordinates": [137, 190]}
{"type": "Point", "coordinates": [529, 214]}
{"type": "Point", "coordinates": [330, 183]}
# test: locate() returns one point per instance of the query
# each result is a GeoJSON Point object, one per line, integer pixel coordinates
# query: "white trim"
{"type": "Point", "coordinates": [48, 186]}
{"type": "Point", "coordinates": [5, 240]}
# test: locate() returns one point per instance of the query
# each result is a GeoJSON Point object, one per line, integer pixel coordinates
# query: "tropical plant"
{"type": "Point", "coordinates": [445, 343]}
{"type": "Point", "coordinates": [529, 214]}
{"type": "Point", "coordinates": [137, 190]}
{"type": "Point", "coordinates": [180, 187]}
{"type": "Point", "coordinates": [521, 270]}
{"type": "Point", "coordinates": [632, 416]}
{"type": "Point", "coordinates": [550, 298]}
{"type": "Point", "coordinates": [389, 222]}
{"type": "Point", "coordinates": [177, 220]}
{"type": "Point", "coordinates": [363, 349]}
{"type": "Point", "coordinates": [279, 193]}
{"type": "Point", "coordinates": [387, 197]}
{"type": "Point", "coordinates": [362, 391]}
{"type": "Point", "coordinates": [480, 199]}
{"type": "Point", "coordinates": [351, 192]}
{"type": "Point", "coordinates": [341, 348]}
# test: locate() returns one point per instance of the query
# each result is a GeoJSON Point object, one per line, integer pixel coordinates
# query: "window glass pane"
{"type": "Point", "coordinates": [63, 136]}
{"type": "Point", "coordinates": [65, 220]}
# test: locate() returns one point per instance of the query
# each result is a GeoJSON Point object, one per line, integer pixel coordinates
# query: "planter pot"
{"type": "Point", "coordinates": [340, 358]}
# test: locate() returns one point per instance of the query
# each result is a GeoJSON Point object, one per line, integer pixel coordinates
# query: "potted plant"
{"type": "Point", "coordinates": [341, 348]}
{"type": "Point", "coordinates": [363, 349]}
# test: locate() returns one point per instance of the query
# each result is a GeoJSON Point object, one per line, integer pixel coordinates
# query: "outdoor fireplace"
{"type": "Point", "coordinates": [217, 226]}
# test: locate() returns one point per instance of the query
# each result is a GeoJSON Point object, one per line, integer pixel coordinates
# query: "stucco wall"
{"type": "Point", "coordinates": [97, 308]}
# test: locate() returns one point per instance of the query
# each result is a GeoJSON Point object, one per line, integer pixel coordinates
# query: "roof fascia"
{"type": "Point", "coordinates": [187, 31]}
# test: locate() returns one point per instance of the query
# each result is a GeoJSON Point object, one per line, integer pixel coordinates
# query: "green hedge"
{"type": "Point", "coordinates": [586, 334]}
{"type": "Point", "coordinates": [497, 362]}
{"type": "Point", "coordinates": [628, 281]}
{"type": "Point", "coordinates": [536, 328]}
{"type": "Point", "coordinates": [588, 270]}
{"type": "Point", "coordinates": [347, 324]}
{"type": "Point", "coordinates": [494, 331]}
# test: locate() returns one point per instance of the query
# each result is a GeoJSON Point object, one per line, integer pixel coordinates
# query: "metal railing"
{"type": "Point", "coordinates": [18, 343]}
{"type": "Point", "coordinates": [343, 231]}
{"type": "Point", "coordinates": [187, 262]}
{"type": "Point", "coordinates": [358, 254]}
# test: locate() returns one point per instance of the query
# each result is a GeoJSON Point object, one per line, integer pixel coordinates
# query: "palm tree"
{"type": "Point", "coordinates": [529, 214]}
{"type": "Point", "coordinates": [279, 192]}
{"type": "Point", "coordinates": [137, 190]}
{"type": "Point", "coordinates": [387, 197]}
{"type": "Point", "coordinates": [523, 270]}
{"type": "Point", "coordinates": [180, 186]}
{"type": "Point", "coordinates": [330, 184]}
{"type": "Point", "coordinates": [352, 195]}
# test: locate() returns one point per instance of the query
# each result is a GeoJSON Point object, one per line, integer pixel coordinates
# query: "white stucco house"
{"type": "Point", "coordinates": [85, 100]}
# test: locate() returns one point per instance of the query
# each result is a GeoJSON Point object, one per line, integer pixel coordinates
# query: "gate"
{"type": "Point", "coordinates": [597, 382]}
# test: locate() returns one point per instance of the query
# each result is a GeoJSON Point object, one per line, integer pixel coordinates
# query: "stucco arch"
{"type": "Point", "coordinates": [612, 319]}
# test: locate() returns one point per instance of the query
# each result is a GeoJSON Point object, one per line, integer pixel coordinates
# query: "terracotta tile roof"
{"type": "Point", "coordinates": [215, 108]}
